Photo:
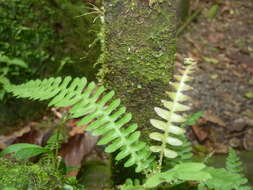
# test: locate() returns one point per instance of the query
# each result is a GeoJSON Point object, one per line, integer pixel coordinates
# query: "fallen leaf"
{"type": "Point", "coordinates": [211, 60]}
{"type": "Point", "coordinates": [75, 129]}
{"type": "Point", "coordinates": [200, 133]}
{"type": "Point", "coordinates": [215, 38]}
{"type": "Point", "coordinates": [209, 116]}
{"type": "Point", "coordinates": [32, 137]}
{"type": "Point", "coordinates": [249, 95]}
{"type": "Point", "coordinates": [214, 76]}
{"type": "Point", "coordinates": [6, 140]}
{"type": "Point", "coordinates": [77, 149]}
{"type": "Point", "coordinates": [212, 12]}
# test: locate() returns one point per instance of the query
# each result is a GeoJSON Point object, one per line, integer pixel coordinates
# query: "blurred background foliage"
{"type": "Point", "coordinates": [39, 39]}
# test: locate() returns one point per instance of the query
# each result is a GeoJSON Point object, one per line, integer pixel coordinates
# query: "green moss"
{"type": "Point", "coordinates": [28, 176]}
{"type": "Point", "coordinates": [95, 175]}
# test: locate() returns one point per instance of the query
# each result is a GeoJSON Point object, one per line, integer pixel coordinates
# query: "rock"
{"type": "Point", "coordinates": [235, 142]}
{"type": "Point", "coordinates": [248, 140]}
{"type": "Point", "coordinates": [238, 125]}
{"type": "Point", "coordinates": [220, 148]}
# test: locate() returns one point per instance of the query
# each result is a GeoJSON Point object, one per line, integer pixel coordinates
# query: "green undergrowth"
{"type": "Point", "coordinates": [28, 176]}
{"type": "Point", "coordinates": [49, 39]}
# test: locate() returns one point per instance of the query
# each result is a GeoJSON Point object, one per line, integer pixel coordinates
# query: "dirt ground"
{"type": "Point", "coordinates": [223, 82]}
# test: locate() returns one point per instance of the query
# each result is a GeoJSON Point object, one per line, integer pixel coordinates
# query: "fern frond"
{"type": "Point", "coordinates": [169, 126]}
{"type": "Point", "coordinates": [234, 165]}
{"type": "Point", "coordinates": [229, 178]}
{"type": "Point", "coordinates": [185, 151]}
{"type": "Point", "coordinates": [97, 109]}
{"type": "Point", "coordinates": [223, 180]}
{"type": "Point", "coordinates": [233, 162]}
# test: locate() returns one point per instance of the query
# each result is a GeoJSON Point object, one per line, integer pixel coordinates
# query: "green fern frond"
{"type": "Point", "coordinates": [223, 180]}
{"type": "Point", "coordinates": [185, 151]}
{"type": "Point", "coordinates": [97, 109]}
{"type": "Point", "coordinates": [234, 165]}
{"type": "Point", "coordinates": [233, 162]}
{"type": "Point", "coordinates": [229, 178]}
{"type": "Point", "coordinates": [170, 125]}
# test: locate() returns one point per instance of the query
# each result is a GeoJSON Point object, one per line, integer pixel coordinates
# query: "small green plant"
{"type": "Point", "coordinates": [105, 116]}
{"type": "Point", "coordinates": [229, 178]}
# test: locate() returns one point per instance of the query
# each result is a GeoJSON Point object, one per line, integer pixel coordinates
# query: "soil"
{"type": "Point", "coordinates": [223, 82]}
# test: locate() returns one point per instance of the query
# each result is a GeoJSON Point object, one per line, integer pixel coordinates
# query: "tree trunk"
{"type": "Point", "coordinates": [139, 51]}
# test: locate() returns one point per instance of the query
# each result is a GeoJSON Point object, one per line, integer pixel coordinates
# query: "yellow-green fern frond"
{"type": "Point", "coordinates": [169, 126]}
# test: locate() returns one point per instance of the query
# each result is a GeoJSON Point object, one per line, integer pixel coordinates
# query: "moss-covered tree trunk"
{"type": "Point", "coordinates": [139, 54]}
{"type": "Point", "coordinates": [140, 48]}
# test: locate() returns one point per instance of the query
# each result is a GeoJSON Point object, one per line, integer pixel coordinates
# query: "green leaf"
{"type": "Point", "coordinates": [4, 80]}
{"type": "Point", "coordinates": [249, 95]}
{"type": "Point", "coordinates": [132, 185]}
{"type": "Point", "coordinates": [213, 11]}
{"type": "Point", "coordinates": [192, 171]}
{"type": "Point", "coordinates": [9, 188]}
{"type": "Point", "coordinates": [15, 61]}
{"type": "Point", "coordinates": [26, 153]}
{"type": "Point", "coordinates": [192, 119]}
{"type": "Point", "coordinates": [24, 150]}
{"type": "Point", "coordinates": [18, 62]}
{"type": "Point", "coordinates": [157, 179]}
{"type": "Point", "coordinates": [2, 93]}
{"type": "Point", "coordinates": [211, 60]}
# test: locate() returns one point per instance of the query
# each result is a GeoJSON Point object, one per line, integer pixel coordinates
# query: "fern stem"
{"type": "Point", "coordinates": [58, 133]}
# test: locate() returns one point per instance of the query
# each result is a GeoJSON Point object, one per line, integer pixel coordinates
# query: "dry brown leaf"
{"type": "Point", "coordinates": [33, 137]}
{"type": "Point", "coordinates": [200, 133]}
{"type": "Point", "coordinates": [209, 116]}
{"type": "Point", "coordinates": [76, 149]}
{"type": "Point", "coordinates": [216, 38]}
{"type": "Point", "coordinates": [9, 139]}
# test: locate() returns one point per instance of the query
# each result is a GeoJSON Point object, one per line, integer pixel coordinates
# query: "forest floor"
{"type": "Point", "coordinates": [223, 82]}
